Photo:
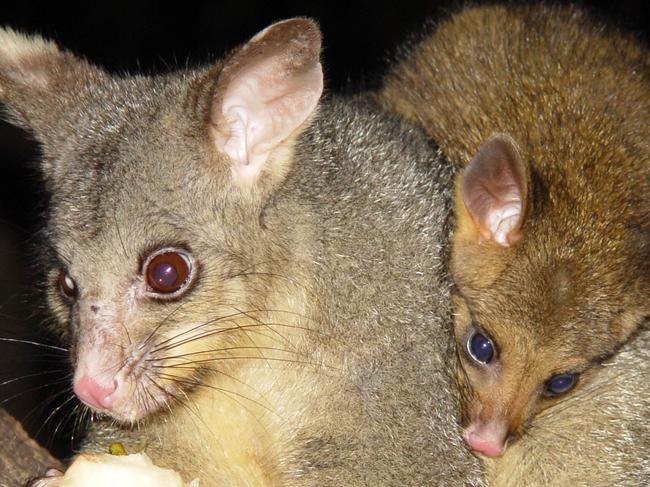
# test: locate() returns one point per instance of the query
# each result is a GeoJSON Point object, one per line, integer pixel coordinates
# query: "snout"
{"type": "Point", "coordinates": [488, 438]}
{"type": "Point", "coordinates": [94, 393]}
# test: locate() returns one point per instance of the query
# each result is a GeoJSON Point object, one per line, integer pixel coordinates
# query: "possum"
{"type": "Point", "coordinates": [250, 280]}
{"type": "Point", "coordinates": [545, 113]}
{"type": "Point", "coordinates": [599, 436]}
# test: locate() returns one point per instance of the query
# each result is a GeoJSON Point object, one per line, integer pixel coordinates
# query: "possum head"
{"type": "Point", "coordinates": [158, 185]}
{"type": "Point", "coordinates": [544, 294]}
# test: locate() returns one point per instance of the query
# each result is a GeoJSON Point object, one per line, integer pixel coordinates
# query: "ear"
{"type": "Point", "coordinates": [38, 81]}
{"type": "Point", "coordinates": [266, 94]}
{"type": "Point", "coordinates": [494, 191]}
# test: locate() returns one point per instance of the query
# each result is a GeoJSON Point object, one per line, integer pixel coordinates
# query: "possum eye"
{"type": "Point", "coordinates": [67, 286]}
{"type": "Point", "coordinates": [480, 348]}
{"type": "Point", "coordinates": [169, 272]}
{"type": "Point", "coordinates": [559, 384]}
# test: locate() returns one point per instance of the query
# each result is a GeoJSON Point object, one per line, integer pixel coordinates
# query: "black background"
{"type": "Point", "coordinates": [359, 37]}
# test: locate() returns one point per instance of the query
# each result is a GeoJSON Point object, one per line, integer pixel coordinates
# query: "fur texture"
{"type": "Point", "coordinates": [550, 113]}
{"type": "Point", "coordinates": [599, 436]}
{"type": "Point", "coordinates": [314, 345]}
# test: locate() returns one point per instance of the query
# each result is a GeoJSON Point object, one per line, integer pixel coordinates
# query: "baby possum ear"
{"type": "Point", "coordinates": [494, 190]}
{"type": "Point", "coordinates": [38, 81]}
{"type": "Point", "coordinates": [266, 93]}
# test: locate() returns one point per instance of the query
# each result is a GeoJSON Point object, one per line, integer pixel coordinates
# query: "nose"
{"type": "Point", "coordinates": [95, 394]}
{"type": "Point", "coordinates": [488, 438]}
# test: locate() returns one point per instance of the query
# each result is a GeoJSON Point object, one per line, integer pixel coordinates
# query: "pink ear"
{"type": "Point", "coordinates": [266, 92]}
{"type": "Point", "coordinates": [494, 189]}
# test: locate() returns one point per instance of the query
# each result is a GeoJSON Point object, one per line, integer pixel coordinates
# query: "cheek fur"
{"type": "Point", "coordinates": [469, 401]}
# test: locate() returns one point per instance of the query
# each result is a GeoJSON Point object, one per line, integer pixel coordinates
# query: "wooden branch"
{"type": "Point", "coordinates": [21, 458]}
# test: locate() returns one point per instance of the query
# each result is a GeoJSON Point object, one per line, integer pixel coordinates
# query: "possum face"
{"type": "Point", "coordinates": [162, 270]}
{"type": "Point", "coordinates": [540, 301]}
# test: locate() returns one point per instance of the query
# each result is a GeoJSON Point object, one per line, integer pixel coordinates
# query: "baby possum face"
{"type": "Point", "coordinates": [162, 273]}
{"type": "Point", "coordinates": [540, 302]}
{"type": "Point", "coordinates": [523, 348]}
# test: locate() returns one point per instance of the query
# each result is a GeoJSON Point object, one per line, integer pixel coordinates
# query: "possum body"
{"type": "Point", "coordinates": [251, 283]}
{"type": "Point", "coordinates": [546, 115]}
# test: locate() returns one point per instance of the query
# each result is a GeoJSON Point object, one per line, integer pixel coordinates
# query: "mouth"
{"type": "Point", "coordinates": [133, 392]}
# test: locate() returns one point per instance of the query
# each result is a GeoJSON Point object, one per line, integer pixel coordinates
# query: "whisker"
{"type": "Point", "coordinates": [162, 322]}
{"type": "Point", "coordinates": [32, 389]}
{"type": "Point", "coordinates": [37, 388]}
{"type": "Point", "coordinates": [231, 329]}
{"type": "Point", "coordinates": [185, 404]}
{"type": "Point", "coordinates": [28, 376]}
{"type": "Point", "coordinates": [245, 332]}
{"type": "Point", "coordinates": [36, 344]}
{"type": "Point", "coordinates": [226, 392]}
{"type": "Point", "coordinates": [163, 390]}
{"type": "Point", "coordinates": [194, 328]}
{"type": "Point", "coordinates": [79, 412]}
{"type": "Point", "coordinates": [233, 378]}
{"type": "Point", "coordinates": [43, 405]}
{"type": "Point", "coordinates": [221, 359]}
{"type": "Point", "coordinates": [56, 410]}
{"type": "Point", "coordinates": [248, 314]}
{"type": "Point", "coordinates": [225, 349]}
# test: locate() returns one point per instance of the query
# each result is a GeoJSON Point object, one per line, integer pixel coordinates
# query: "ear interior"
{"type": "Point", "coordinates": [494, 191]}
{"type": "Point", "coordinates": [265, 95]}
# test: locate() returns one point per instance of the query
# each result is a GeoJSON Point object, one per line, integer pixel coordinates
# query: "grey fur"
{"type": "Point", "coordinates": [358, 229]}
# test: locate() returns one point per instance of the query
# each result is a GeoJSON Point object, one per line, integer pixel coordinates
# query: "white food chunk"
{"type": "Point", "coordinates": [119, 471]}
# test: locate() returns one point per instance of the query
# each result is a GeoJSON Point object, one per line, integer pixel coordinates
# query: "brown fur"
{"type": "Point", "coordinates": [597, 437]}
{"type": "Point", "coordinates": [575, 97]}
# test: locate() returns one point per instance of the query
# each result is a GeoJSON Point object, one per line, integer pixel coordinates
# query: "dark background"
{"type": "Point", "coordinates": [359, 37]}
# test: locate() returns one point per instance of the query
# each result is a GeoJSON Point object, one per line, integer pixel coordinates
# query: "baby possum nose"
{"type": "Point", "coordinates": [95, 394]}
{"type": "Point", "coordinates": [488, 439]}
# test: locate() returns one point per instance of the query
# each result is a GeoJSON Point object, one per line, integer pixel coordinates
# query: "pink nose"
{"type": "Point", "coordinates": [95, 394]}
{"type": "Point", "coordinates": [486, 438]}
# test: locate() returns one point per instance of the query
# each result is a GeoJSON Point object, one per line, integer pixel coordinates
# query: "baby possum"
{"type": "Point", "coordinates": [251, 285]}
{"type": "Point", "coordinates": [548, 115]}
{"type": "Point", "coordinates": [598, 437]}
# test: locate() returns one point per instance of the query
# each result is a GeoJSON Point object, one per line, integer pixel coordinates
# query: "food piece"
{"type": "Point", "coordinates": [107, 470]}
{"type": "Point", "coordinates": [117, 449]}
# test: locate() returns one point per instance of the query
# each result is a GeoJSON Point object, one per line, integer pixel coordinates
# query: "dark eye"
{"type": "Point", "coordinates": [480, 348]}
{"type": "Point", "coordinates": [169, 271]}
{"type": "Point", "coordinates": [67, 286]}
{"type": "Point", "coordinates": [559, 384]}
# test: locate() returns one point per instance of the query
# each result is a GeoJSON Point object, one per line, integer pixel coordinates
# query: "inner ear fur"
{"type": "Point", "coordinates": [493, 193]}
{"type": "Point", "coordinates": [265, 96]}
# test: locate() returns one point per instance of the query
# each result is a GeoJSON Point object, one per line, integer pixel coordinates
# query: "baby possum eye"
{"type": "Point", "coordinates": [480, 348]}
{"type": "Point", "coordinates": [169, 272]}
{"type": "Point", "coordinates": [559, 384]}
{"type": "Point", "coordinates": [67, 286]}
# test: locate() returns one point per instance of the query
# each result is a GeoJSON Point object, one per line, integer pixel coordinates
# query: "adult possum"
{"type": "Point", "coordinates": [251, 285]}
